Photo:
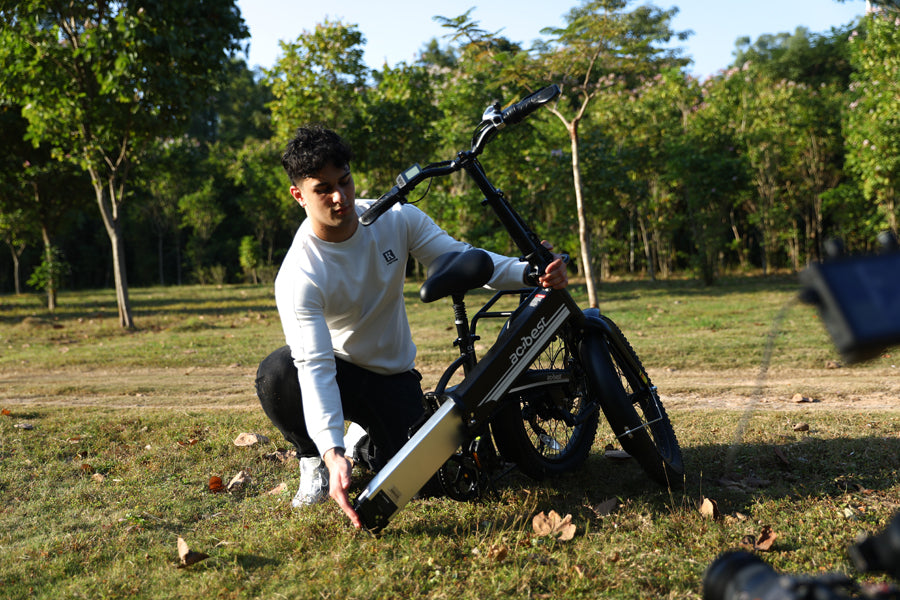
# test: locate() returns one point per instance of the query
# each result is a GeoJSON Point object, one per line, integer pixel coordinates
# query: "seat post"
{"type": "Point", "coordinates": [464, 340]}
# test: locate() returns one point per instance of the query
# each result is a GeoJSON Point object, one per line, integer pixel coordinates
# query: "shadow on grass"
{"type": "Point", "coordinates": [809, 467]}
{"type": "Point", "coordinates": [251, 562]}
{"type": "Point", "coordinates": [736, 476]}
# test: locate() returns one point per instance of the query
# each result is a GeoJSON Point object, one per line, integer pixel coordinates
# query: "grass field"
{"type": "Point", "coordinates": [127, 430]}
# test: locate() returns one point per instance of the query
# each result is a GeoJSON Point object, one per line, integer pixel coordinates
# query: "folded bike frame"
{"type": "Point", "coordinates": [467, 406]}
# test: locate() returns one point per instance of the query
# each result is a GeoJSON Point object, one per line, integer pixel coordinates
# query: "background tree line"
{"type": "Point", "coordinates": [147, 111]}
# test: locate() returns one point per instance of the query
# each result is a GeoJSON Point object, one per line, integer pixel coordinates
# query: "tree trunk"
{"type": "Point", "coordinates": [16, 250]}
{"type": "Point", "coordinates": [739, 240]}
{"type": "Point", "coordinates": [583, 234]}
{"type": "Point", "coordinates": [631, 251]}
{"type": "Point", "coordinates": [890, 210]}
{"type": "Point", "coordinates": [159, 258]}
{"type": "Point", "coordinates": [177, 234]}
{"type": "Point", "coordinates": [648, 253]}
{"type": "Point", "coordinates": [16, 274]}
{"type": "Point", "coordinates": [109, 210]}
{"type": "Point", "coordinates": [49, 258]}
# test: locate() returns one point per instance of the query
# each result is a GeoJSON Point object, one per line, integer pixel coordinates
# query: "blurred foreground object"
{"type": "Point", "coordinates": [858, 299]}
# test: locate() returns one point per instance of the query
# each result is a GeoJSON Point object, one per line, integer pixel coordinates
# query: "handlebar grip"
{"type": "Point", "coordinates": [380, 206]}
{"type": "Point", "coordinates": [529, 104]}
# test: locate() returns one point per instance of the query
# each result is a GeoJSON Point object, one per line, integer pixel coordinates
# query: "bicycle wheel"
{"type": "Point", "coordinates": [632, 406]}
{"type": "Point", "coordinates": [548, 423]}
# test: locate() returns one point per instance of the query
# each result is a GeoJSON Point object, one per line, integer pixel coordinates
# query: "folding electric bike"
{"type": "Point", "coordinates": [534, 398]}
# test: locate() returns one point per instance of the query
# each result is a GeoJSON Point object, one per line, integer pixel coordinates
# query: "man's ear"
{"type": "Point", "coordinates": [298, 196]}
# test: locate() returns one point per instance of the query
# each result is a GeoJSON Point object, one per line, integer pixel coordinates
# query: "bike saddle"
{"type": "Point", "coordinates": [456, 273]}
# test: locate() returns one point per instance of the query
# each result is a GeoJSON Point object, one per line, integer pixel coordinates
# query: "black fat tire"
{"type": "Point", "coordinates": [548, 429]}
{"type": "Point", "coordinates": [633, 408]}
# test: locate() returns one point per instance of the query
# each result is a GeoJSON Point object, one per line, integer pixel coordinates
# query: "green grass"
{"type": "Point", "coordinates": [680, 324]}
{"type": "Point", "coordinates": [128, 428]}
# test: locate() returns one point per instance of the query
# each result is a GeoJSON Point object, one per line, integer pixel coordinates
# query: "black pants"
{"type": "Point", "coordinates": [386, 406]}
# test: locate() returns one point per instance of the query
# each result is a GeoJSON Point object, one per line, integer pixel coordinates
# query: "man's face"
{"type": "Point", "coordinates": [329, 198]}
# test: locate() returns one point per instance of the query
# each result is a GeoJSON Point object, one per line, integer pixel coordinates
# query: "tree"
{"type": "Point", "coordinates": [394, 125]}
{"type": "Point", "coordinates": [467, 79]}
{"type": "Point", "coordinates": [801, 57]}
{"type": "Point", "coordinates": [263, 198]}
{"type": "Point", "coordinates": [15, 231]}
{"type": "Point", "coordinates": [17, 222]}
{"type": "Point", "coordinates": [201, 211]}
{"type": "Point", "coordinates": [251, 257]}
{"type": "Point", "coordinates": [872, 125]}
{"type": "Point", "coordinates": [709, 173]}
{"type": "Point", "coordinates": [99, 81]}
{"type": "Point", "coordinates": [317, 79]}
{"type": "Point", "coordinates": [811, 69]}
{"type": "Point", "coordinates": [600, 46]}
{"type": "Point", "coordinates": [33, 202]}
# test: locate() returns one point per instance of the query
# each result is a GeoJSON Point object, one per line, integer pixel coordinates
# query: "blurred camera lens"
{"type": "Point", "coordinates": [879, 553]}
{"type": "Point", "coordinates": [741, 575]}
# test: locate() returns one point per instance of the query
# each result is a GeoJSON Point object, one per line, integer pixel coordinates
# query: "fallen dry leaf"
{"type": "Point", "coordinates": [248, 439]}
{"type": "Point", "coordinates": [26, 426]}
{"type": "Point", "coordinates": [605, 508]}
{"type": "Point", "coordinates": [766, 539]}
{"type": "Point", "coordinates": [281, 456]}
{"type": "Point", "coordinates": [552, 524]}
{"type": "Point", "coordinates": [277, 489]}
{"type": "Point", "coordinates": [709, 509]}
{"type": "Point", "coordinates": [239, 481]}
{"type": "Point", "coordinates": [497, 552]}
{"type": "Point", "coordinates": [5, 412]}
{"type": "Point", "coordinates": [187, 556]}
{"type": "Point", "coordinates": [801, 427]}
{"type": "Point", "coordinates": [216, 485]}
{"type": "Point", "coordinates": [763, 542]}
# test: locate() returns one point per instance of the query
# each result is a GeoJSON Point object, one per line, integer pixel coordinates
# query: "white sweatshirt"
{"type": "Point", "coordinates": [345, 300]}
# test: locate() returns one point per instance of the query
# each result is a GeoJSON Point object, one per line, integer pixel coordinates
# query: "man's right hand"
{"type": "Point", "coordinates": [339, 478]}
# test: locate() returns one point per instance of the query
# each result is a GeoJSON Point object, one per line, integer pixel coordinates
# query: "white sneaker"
{"type": "Point", "coordinates": [355, 437]}
{"type": "Point", "coordinates": [313, 482]}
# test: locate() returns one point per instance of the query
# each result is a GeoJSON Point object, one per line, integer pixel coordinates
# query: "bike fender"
{"type": "Point", "coordinates": [594, 354]}
{"type": "Point", "coordinates": [594, 322]}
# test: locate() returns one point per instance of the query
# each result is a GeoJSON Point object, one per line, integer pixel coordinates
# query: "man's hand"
{"type": "Point", "coordinates": [339, 471]}
{"type": "Point", "coordinates": [555, 275]}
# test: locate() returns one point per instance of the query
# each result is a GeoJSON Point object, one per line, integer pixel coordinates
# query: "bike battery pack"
{"type": "Point", "coordinates": [405, 474]}
{"type": "Point", "coordinates": [858, 299]}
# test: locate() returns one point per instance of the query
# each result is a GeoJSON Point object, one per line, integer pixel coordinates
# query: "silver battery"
{"type": "Point", "coordinates": [412, 466]}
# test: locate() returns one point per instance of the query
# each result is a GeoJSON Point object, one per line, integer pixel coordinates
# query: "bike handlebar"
{"type": "Point", "coordinates": [379, 207]}
{"type": "Point", "coordinates": [524, 107]}
{"type": "Point", "coordinates": [404, 186]}
{"type": "Point", "coordinates": [412, 177]}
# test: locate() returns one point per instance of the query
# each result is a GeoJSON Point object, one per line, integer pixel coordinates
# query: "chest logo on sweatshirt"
{"type": "Point", "coordinates": [389, 256]}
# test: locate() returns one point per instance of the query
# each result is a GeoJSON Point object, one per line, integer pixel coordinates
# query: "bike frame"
{"type": "Point", "coordinates": [469, 405]}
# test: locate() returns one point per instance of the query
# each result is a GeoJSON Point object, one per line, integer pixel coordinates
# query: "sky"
{"type": "Point", "coordinates": [396, 30]}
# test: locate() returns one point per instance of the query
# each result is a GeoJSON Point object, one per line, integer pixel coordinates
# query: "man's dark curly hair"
{"type": "Point", "coordinates": [313, 148]}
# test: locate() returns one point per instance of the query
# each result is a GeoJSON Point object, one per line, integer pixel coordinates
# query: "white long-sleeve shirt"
{"type": "Point", "coordinates": [345, 300]}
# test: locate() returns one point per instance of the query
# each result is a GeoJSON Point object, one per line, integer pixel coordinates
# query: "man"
{"type": "Point", "coordinates": [349, 352]}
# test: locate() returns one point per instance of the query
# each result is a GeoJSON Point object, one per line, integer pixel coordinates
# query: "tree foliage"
{"type": "Point", "coordinates": [99, 81]}
{"type": "Point", "coordinates": [873, 116]}
{"type": "Point", "coordinates": [637, 169]}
